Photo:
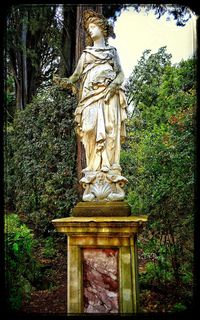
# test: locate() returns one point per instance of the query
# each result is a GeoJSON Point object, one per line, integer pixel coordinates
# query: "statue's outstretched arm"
{"type": "Point", "coordinates": [79, 69]}
{"type": "Point", "coordinates": [69, 83]}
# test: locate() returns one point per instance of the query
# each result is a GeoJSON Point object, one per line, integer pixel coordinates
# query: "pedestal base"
{"type": "Point", "coordinates": [102, 209]}
{"type": "Point", "coordinates": [102, 263]}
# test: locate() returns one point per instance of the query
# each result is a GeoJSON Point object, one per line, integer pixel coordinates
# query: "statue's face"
{"type": "Point", "coordinates": [94, 31]}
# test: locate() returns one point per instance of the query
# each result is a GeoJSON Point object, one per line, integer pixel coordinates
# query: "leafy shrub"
{"type": "Point", "coordinates": [49, 250]}
{"type": "Point", "coordinates": [158, 268]}
{"type": "Point", "coordinates": [9, 182]}
{"type": "Point", "coordinates": [21, 269]}
{"type": "Point", "coordinates": [42, 166]}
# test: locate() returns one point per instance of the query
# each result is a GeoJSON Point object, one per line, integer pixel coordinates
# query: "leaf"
{"type": "Point", "coordinates": [15, 247]}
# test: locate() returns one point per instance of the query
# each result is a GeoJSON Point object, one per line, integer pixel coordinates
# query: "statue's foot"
{"type": "Point", "coordinates": [105, 169]}
{"type": "Point", "coordinates": [116, 166]}
{"type": "Point", "coordinates": [86, 170]}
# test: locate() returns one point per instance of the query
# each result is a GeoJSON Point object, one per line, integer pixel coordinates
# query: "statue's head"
{"type": "Point", "coordinates": [90, 16]}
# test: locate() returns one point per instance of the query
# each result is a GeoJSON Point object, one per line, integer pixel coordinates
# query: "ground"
{"type": "Point", "coordinates": [53, 299]}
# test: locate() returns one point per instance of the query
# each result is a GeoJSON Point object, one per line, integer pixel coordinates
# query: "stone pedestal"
{"type": "Point", "coordinates": [101, 209]}
{"type": "Point", "coordinates": [102, 263]}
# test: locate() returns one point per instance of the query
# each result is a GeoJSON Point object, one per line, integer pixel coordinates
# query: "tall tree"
{"type": "Point", "coordinates": [68, 40]}
{"type": "Point", "coordinates": [143, 84]}
{"type": "Point", "coordinates": [31, 48]}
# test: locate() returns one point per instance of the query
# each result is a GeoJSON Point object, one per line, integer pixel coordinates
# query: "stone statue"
{"type": "Point", "coordinates": [101, 111]}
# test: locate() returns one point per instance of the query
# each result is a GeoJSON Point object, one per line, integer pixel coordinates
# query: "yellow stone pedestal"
{"type": "Point", "coordinates": [106, 233]}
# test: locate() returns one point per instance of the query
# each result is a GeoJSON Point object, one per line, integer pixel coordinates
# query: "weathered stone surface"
{"type": "Point", "coordinates": [100, 280]}
{"type": "Point", "coordinates": [102, 209]}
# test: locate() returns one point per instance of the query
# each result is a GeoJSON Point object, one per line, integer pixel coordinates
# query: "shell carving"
{"type": "Point", "coordinates": [101, 186]}
{"type": "Point", "coordinates": [101, 191]}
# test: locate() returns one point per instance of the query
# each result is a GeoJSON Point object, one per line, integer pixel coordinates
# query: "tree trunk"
{"type": "Point", "coordinates": [18, 89]}
{"type": "Point", "coordinates": [24, 60]}
{"type": "Point", "coordinates": [80, 33]}
{"type": "Point", "coordinates": [67, 61]}
{"type": "Point", "coordinates": [80, 45]}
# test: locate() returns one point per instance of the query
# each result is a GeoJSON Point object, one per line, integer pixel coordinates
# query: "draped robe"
{"type": "Point", "coordinates": [100, 124]}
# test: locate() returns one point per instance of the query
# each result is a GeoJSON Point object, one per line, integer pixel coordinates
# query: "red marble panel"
{"type": "Point", "coordinates": [100, 280]}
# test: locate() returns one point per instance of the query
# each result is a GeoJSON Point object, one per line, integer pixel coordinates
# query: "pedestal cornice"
{"type": "Point", "coordinates": [100, 225]}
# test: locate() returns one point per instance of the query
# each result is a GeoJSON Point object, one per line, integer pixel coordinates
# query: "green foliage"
{"type": "Point", "coordinates": [143, 86]}
{"type": "Point", "coordinates": [9, 181]}
{"type": "Point", "coordinates": [41, 175]}
{"type": "Point", "coordinates": [9, 94]}
{"type": "Point", "coordinates": [33, 32]}
{"type": "Point", "coordinates": [179, 307]}
{"type": "Point", "coordinates": [49, 250]}
{"type": "Point", "coordinates": [21, 269]}
{"type": "Point", "coordinates": [159, 267]}
{"type": "Point", "coordinates": [158, 159]}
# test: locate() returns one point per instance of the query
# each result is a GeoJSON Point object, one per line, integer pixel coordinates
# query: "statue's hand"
{"type": "Point", "coordinates": [56, 79]}
{"type": "Point", "coordinates": [111, 90]}
{"type": "Point", "coordinates": [64, 83]}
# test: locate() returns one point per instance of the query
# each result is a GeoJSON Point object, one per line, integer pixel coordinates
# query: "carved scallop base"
{"type": "Point", "coordinates": [103, 186]}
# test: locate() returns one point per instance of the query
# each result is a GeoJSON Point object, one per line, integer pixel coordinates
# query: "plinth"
{"type": "Point", "coordinates": [102, 271]}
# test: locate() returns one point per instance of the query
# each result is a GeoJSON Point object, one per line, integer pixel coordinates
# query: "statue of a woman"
{"type": "Point", "coordinates": [101, 110]}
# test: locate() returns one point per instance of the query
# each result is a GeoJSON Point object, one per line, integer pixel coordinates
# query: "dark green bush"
{"type": "Point", "coordinates": [41, 180]}
{"type": "Point", "coordinates": [20, 267]}
{"type": "Point", "coordinates": [9, 174]}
